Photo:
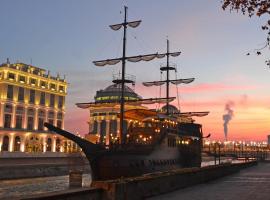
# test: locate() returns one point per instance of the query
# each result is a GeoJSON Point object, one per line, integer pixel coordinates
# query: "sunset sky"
{"type": "Point", "coordinates": [65, 36]}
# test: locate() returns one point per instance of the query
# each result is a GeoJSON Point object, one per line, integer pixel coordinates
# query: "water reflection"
{"type": "Point", "coordinates": [26, 187]}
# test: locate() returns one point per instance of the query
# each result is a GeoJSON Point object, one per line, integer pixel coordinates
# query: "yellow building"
{"type": "Point", "coordinates": [30, 96]}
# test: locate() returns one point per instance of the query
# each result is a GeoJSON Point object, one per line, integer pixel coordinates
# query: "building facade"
{"type": "Point", "coordinates": [104, 125]}
{"type": "Point", "coordinates": [30, 96]}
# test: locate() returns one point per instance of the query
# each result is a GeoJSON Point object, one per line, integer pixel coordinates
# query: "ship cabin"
{"type": "Point", "coordinates": [148, 127]}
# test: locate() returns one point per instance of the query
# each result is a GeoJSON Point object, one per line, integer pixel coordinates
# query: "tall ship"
{"type": "Point", "coordinates": [154, 140]}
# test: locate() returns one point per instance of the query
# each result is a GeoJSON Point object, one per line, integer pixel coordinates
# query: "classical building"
{"type": "Point", "coordinates": [30, 96]}
{"type": "Point", "coordinates": [103, 122]}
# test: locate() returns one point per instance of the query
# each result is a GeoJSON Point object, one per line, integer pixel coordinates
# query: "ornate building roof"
{"type": "Point", "coordinates": [112, 93]}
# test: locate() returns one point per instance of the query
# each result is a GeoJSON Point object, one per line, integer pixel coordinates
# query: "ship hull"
{"type": "Point", "coordinates": [117, 164]}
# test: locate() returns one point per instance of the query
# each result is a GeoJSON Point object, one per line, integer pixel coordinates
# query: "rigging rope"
{"type": "Point", "coordinates": [160, 89]}
{"type": "Point", "coordinates": [178, 100]}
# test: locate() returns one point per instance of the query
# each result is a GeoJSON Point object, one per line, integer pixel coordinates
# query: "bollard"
{"type": "Point", "coordinates": [75, 178]}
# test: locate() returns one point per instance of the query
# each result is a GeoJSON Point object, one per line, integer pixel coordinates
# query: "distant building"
{"type": "Point", "coordinates": [104, 126]}
{"type": "Point", "coordinates": [30, 96]}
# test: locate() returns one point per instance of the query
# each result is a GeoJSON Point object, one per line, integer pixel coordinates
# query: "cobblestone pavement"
{"type": "Point", "coordinates": [251, 183]}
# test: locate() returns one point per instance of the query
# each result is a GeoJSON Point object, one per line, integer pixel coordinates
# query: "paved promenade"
{"type": "Point", "coordinates": [252, 183]}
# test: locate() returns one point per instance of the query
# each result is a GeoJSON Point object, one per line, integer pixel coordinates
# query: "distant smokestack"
{"type": "Point", "coordinates": [227, 117]}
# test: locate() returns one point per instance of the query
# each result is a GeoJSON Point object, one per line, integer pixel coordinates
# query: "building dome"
{"type": "Point", "coordinates": [172, 109]}
{"type": "Point", "coordinates": [112, 93]}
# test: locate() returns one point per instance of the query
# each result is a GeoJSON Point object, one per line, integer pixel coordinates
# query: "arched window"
{"type": "Point", "coordinates": [5, 143]}
{"type": "Point", "coordinates": [17, 143]}
{"type": "Point", "coordinates": [49, 144]}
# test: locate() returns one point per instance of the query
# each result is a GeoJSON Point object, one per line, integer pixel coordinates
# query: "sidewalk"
{"type": "Point", "coordinates": [251, 183]}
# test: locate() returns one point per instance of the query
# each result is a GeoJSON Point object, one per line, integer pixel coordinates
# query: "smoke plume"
{"type": "Point", "coordinates": [227, 117]}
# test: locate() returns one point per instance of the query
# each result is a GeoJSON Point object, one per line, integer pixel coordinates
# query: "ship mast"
{"type": "Point", "coordinates": [122, 100]}
{"type": "Point", "coordinates": [168, 68]}
{"type": "Point", "coordinates": [123, 59]}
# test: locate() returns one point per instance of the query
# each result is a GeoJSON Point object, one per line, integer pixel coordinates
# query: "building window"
{"type": "Point", "coordinates": [7, 123]}
{"type": "Point", "coordinates": [52, 97]}
{"type": "Point", "coordinates": [11, 76]}
{"type": "Point", "coordinates": [42, 98]}
{"type": "Point", "coordinates": [17, 143]}
{"type": "Point", "coordinates": [102, 129]}
{"type": "Point", "coordinates": [95, 127]}
{"type": "Point", "coordinates": [31, 111]}
{"type": "Point", "coordinates": [59, 124]}
{"type": "Point", "coordinates": [40, 124]}
{"type": "Point", "coordinates": [32, 96]}
{"type": "Point", "coordinates": [49, 144]}
{"type": "Point", "coordinates": [8, 108]}
{"type": "Point", "coordinates": [18, 121]}
{"type": "Point", "coordinates": [113, 126]}
{"type": "Point", "coordinates": [61, 88]}
{"type": "Point", "coordinates": [60, 101]}
{"type": "Point", "coordinates": [10, 92]}
{"type": "Point", "coordinates": [21, 94]}
{"type": "Point", "coordinates": [51, 114]}
{"type": "Point", "coordinates": [43, 84]}
{"type": "Point", "coordinates": [30, 123]}
{"type": "Point", "coordinates": [19, 110]}
{"type": "Point", "coordinates": [22, 79]}
{"type": "Point", "coordinates": [41, 113]}
{"type": "Point", "coordinates": [33, 81]}
{"type": "Point", "coordinates": [58, 145]}
{"type": "Point", "coordinates": [52, 86]}
{"type": "Point", "coordinates": [50, 121]}
{"type": "Point", "coordinates": [5, 143]}
{"type": "Point", "coordinates": [59, 115]}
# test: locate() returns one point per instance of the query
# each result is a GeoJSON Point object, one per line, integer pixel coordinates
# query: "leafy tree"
{"type": "Point", "coordinates": [251, 8]}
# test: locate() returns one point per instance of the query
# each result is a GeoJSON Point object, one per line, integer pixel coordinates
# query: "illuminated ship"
{"type": "Point", "coordinates": [154, 140]}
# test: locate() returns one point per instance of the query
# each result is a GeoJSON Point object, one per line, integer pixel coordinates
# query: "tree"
{"type": "Point", "coordinates": [251, 8]}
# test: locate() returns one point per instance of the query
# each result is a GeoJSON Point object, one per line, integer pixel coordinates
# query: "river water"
{"type": "Point", "coordinates": [24, 187]}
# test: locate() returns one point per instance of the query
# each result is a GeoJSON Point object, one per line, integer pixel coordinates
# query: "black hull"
{"type": "Point", "coordinates": [136, 160]}
{"type": "Point", "coordinates": [129, 164]}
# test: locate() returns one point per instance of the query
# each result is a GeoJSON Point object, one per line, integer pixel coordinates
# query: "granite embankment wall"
{"type": "Point", "coordinates": [146, 186]}
{"type": "Point", "coordinates": [14, 166]}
